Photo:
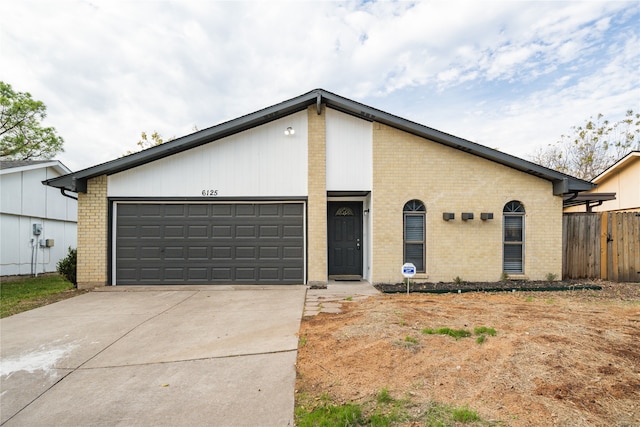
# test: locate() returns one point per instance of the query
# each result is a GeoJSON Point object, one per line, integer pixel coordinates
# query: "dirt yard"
{"type": "Point", "coordinates": [558, 358]}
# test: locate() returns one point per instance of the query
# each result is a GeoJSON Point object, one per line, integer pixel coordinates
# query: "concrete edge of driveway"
{"type": "Point", "coordinates": [207, 288]}
{"type": "Point", "coordinates": [121, 351]}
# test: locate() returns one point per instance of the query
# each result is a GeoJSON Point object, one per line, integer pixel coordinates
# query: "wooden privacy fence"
{"type": "Point", "coordinates": [602, 245]}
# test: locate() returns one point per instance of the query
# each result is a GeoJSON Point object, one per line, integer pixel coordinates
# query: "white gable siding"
{"type": "Point", "coordinates": [349, 153]}
{"type": "Point", "coordinates": [10, 193]}
{"type": "Point", "coordinates": [260, 162]}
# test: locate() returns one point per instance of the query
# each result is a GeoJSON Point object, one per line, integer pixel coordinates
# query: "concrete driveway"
{"type": "Point", "coordinates": [219, 356]}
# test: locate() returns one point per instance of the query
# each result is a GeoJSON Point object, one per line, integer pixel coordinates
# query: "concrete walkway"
{"type": "Point", "coordinates": [214, 356]}
{"type": "Point", "coordinates": [337, 293]}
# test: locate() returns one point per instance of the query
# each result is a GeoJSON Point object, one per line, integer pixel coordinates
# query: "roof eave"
{"type": "Point", "coordinates": [77, 182]}
{"type": "Point", "coordinates": [561, 182]}
{"type": "Point", "coordinates": [620, 164]}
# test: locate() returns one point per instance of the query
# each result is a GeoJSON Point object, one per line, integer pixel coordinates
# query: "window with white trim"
{"type": "Point", "coordinates": [513, 238]}
{"type": "Point", "coordinates": [414, 234]}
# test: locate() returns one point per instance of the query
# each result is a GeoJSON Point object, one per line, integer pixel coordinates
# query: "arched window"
{"type": "Point", "coordinates": [414, 234]}
{"type": "Point", "coordinates": [513, 238]}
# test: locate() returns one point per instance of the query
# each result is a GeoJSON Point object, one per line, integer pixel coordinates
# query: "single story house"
{"type": "Point", "coordinates": [313, 188]}
{"type": "Point", "coordinates": [618, 189]}
{"type": "Point", "coordinates": [37, 223]}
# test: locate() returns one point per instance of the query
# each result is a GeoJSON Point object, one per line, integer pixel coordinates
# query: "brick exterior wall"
{"type": "Point", "coordinates": [92, 234]}
{"type": "Point", "coordinates": [317, 200]}
{"type": "Point", "coordinates": [407, 167]}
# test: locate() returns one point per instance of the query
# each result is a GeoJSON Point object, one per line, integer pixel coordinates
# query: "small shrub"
{"type": "Point", "coordinates": [464, 415]}
{"type": "Point", "coordinates": [481, 339]}
{"type": "Point", "coordinates": [457, 280]}
{"type": "Point", "coordinates": [455, 333]}
{"type": "Point", "coordinates": [384, 396]}
{"type": "Point", "coordinates": [67, 266]}
{"type": "Point", "coordinates": [483, 330]}
{"type": "Point", "coordinates": [551, 277]}
{"type": "Point", "coordinates": [504, 277]}
{"type": "Point", "coordinates": [411, 340]}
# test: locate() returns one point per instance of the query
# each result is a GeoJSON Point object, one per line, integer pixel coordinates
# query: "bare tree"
{"type": "Point", "coordinates": [589, 149]}
{"type": "Point", "coordinates": [148, 141]}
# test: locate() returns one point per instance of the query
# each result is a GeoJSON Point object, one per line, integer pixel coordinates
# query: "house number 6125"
{"type": "Point", "coordinates": [209, 193]}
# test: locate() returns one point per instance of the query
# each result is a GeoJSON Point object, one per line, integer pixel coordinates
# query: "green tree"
{"type": "Point", "coordinates": [22, 136]}
{"type": "Point", "coordinates": [589, 149]}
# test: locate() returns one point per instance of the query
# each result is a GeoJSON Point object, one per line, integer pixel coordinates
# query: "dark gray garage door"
{"type": "Point", "coordinates": [261, 243]}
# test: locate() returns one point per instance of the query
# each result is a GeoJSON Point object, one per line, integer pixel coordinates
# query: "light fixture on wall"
{"type": "Point", "coordinates": [365, 212]}
{"type": "Point", "coordinates": [448, 216]}
{"type": "Point", "coordinates": [289, 131]}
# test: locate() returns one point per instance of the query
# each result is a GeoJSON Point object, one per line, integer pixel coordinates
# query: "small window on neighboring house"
{"type": "Point", "coordinates": [414, 234]}
{"type": "Point", "coordinates": [513, 238]}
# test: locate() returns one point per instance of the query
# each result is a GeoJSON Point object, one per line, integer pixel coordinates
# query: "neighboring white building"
{"type": "Point", "coordinates": [38, 224]}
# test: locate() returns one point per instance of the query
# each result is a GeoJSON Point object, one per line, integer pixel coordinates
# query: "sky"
{"type": "Point", "coordinates": [510, 75]}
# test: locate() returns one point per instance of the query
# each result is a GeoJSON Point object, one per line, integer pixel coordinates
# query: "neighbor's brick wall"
{"type": "Point", "coordinates": [92, 234]}
{"type": "Point", "coordinates": [317, 199]}
{"type": "Point", "coordinates": [407, 167]}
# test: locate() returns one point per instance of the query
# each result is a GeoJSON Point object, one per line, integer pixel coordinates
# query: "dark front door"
{"type": "Point", "coordinates": [345, 238]}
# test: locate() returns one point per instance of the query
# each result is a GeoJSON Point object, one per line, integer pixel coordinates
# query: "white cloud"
{"type": "Point", "coordinates": [507, 74]}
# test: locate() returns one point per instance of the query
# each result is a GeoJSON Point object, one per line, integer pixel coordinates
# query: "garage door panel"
{"type": "Point", "coordinates": [269, 273]}
{"type": "Point", "coordinates": [246, 274]}
{"type": "Point", "coordinates": [195, 231]}
{"type": "Point", "coordinates": [221, 273]}
{"type": "Point", "coordinates": [177, 253]}
{"type": "Point", "coordinates": [222, 253]}
{"type": "Point", "coordinates": [222, 231]}
{"type": "Point", "coordinates": [174, 211]}
{"type": "Point", "coordinates": [293, 209]}
{"type": "Point", "coordinates": [209, 243]}
{"type": "Point", "coordinates": [246, 253]}
{"type": "Point", "coordinates": [222, 210]}
{"type": "Point", "coordinates": [174, 273]}
{"type": "Point", "coordinates": [269, 231]}
{"type": "Point", "coordinates": [174, 231]}
{"type": "Point", "coordinates": [197, 273]}
{"type": "Point", "coordinates": [294, 231]}
{"type": "Point", "coordinates": [292, 252]}
{"type": "Point", "coordinates": [269, 210]}
{"type": "Point", "coordinates": [198, 253]}
{"type": "Point", "coordinates": [245, 231]}
{"type": "Point", "coordinates": [150, 274]}
{"type": "Point", "coordinates": [150, 253]}
{"type": "Point", "coordinates": [150, 231]}
{"type": "Point", "coordinates": [245, 210]}
{"type": "Point", "coordinates": [149, 211]}
{"type": "Point", "coordinates": [291, 273]}
{"type": "Point", "coordinates": [269, 252]}
{"type": "Point", "coordinates": [198, 211]}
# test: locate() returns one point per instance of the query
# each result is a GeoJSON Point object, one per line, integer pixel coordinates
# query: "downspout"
{"type": "Point", "coordinates": [33, 257]}
{"type": "Point", "coordinates": [574, 195]}
{"type": "Point", "coordinates": [590, 206]}
{"type": "Point", "coordinates": [62, 190]}
{"type": "Point", "coordinates": [35, 249]}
